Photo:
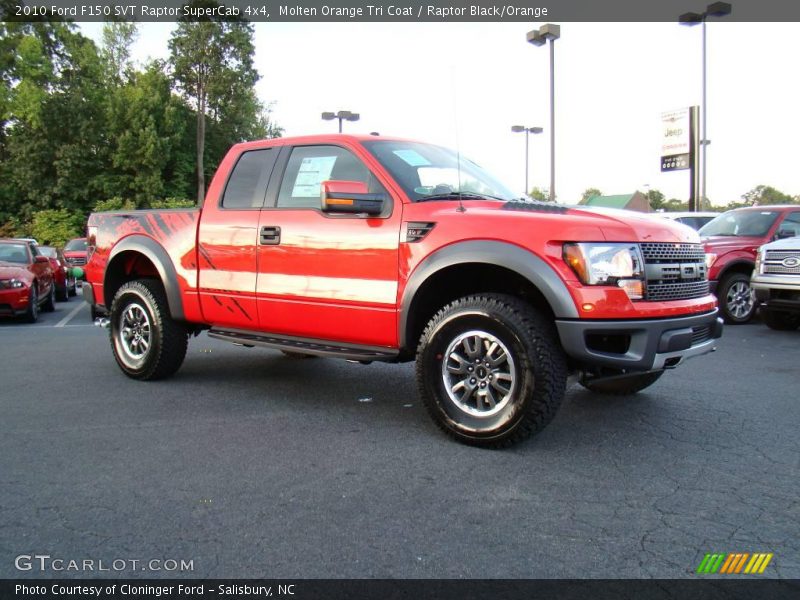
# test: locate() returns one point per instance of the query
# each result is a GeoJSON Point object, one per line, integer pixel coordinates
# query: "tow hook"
{"type": "Point", "coordinates": [101, 322]}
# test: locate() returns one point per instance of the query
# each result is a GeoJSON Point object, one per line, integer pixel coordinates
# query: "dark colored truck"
{"type": "Point", "coordinates": [376, 249]}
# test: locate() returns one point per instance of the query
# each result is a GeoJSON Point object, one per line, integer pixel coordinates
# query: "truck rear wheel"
{"type": "Point", "coordinates": [490, 370]}
{"type": "Point", "coordinates": [781, 320]}
{"type": "Point", "coordinates": [623, 386]}
{"type": "Point", "coordinates": [147, 343]}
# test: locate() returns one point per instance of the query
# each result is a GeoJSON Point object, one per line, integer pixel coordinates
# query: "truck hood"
{"type": "Point", "coordinates": [784, 244]}
{"type": "Point", "coordinates": [9, 270]}
{"type": "Point", "coordinates": [642, 226]}
{"type": "Point", "coordinates": [720, 244]}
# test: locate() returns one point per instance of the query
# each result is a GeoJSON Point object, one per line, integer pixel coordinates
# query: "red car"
{"type": "Point", "coordinates": [26, 280]}
{"type": "Point", "coordinates": [76, 252]}
{"type": "Point", "coordinates": [731, 242]}
{"type": "Point", "coordinates": [66, 285]}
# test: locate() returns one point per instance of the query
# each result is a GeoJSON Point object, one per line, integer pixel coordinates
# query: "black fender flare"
{"type": "Point", "coordinates": [501, 254]}
{"type": "Point", "coordinates": [739, 262]}
{"type": "Point", "coordinates": [160, 258]}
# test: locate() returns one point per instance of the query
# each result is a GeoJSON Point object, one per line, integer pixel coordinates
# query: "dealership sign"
{"type": "Point", "coordinates": [676, 140]}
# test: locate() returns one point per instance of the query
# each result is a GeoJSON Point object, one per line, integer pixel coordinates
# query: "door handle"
{"type": "Point", "coordinates": [270, 235]}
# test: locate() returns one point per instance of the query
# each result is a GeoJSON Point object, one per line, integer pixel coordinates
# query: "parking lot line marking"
{"type": "Point", "coordinates": [68, 318]}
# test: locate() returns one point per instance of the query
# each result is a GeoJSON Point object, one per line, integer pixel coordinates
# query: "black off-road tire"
{"type": "Point", "coordinates": [140, 308]}
{"type": "Point", "coordinates": [516, 330]}
{"type": "Point", "coordinates": [730, 303]}
{"type": "Point", "coordinates": [32, 314]}
{"type": "Point", "coordinates": [624, 386]}
{"type": "Point", "coordinates": [50, 304]}
{"type": "Point", "coordinates": [63, 295]}
{"type": "Point", "coordinates": [781, 320]}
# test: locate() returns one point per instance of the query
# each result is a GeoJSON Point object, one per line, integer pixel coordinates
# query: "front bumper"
{"type": "Point", "coordinates": [640, 345]}
{"type": "Point", "coordinates": [777, 291]}
{"type": "Point", "coordinates": [88, 293]}
{"type": "Point", "coordinates": [14, 302]}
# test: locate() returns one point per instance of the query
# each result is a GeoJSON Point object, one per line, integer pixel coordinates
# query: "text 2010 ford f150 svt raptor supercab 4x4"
{"type": "Point", "coordinates": [378, 249]}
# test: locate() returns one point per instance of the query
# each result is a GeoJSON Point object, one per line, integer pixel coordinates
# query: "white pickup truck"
{"type": "Point", "coordinates": [776, 283]}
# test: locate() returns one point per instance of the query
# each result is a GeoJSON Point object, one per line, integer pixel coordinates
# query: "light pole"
{"type": "Point", "coordinates": [717, 9]}
{"type": "Point", "coordinates": [539, 37]}
{"type": "Point", "coordinates": [527, 130]}
{"type": "Point", "coordinates": [342, 115]}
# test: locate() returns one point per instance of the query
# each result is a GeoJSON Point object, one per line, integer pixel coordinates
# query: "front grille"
{"type": "Point", "coordinates": [674, 271]}
{"type": "Point", "coordinates": [661, 292]}
{"type": "Point", "coordinates": [773, 262]}
{"type": "Point", "coordinates": [77, 262]}
{"type": "Point", "coordinates": [659, 253]}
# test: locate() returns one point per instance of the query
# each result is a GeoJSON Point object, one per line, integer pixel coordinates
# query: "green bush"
{"type": "Point", "coordinates": [173, 203]}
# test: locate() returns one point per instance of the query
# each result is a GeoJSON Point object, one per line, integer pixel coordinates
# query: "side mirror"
{"type": "Point", "coordinates": [782, 234]}
{"type": "Point", "coordinates": [41, 259]}
{"type": "Point", "coordinates": [350, 197]}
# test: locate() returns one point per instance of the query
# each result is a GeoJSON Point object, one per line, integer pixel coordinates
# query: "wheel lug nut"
{"type": "Point", "coordinates": [483, 384]}
{"type": "Point", "coordinates": [472, 380]}
{"type": "Point", "coordinates": [470, 369]}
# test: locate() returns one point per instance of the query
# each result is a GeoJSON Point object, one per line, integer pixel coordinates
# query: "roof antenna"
{"type": "Point", "coordinates": [458, 147]}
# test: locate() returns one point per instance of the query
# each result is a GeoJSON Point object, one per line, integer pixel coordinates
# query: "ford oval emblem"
{"type": "Point", "coordinates": [791, 262]}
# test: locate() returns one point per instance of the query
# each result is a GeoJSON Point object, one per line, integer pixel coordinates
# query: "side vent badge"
{"type": "Point", "coordinates": [416, 230]}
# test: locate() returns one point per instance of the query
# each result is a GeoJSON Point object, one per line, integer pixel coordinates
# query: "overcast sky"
{"type": "Point", "coordinates": [465, 85]}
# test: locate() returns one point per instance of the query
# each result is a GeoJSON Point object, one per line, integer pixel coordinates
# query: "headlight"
{"type": "Point", "coordinates": [710, 258]}
{"type": "Point", "coordinates": [619, 265]}
{"type": "Point", "coordinates": [759, 260]}
{"type": "Point", "coordinates": [11, 284]}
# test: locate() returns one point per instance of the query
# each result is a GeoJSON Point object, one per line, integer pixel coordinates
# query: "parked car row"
{"type": "Point", "coordinates": [32, 278]}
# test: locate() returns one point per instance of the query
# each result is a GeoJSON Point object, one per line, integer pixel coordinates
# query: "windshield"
{"type": "Point", "coordinates": [48, 251]}
{"type": "Point", "coordinates": [741, 223]}
{"type": "Point", "coordinates": [427, 172]}
{"type": "Point", "coordinates": [75, 245]}
{"type": "Point", "coordinates": [14, 253]}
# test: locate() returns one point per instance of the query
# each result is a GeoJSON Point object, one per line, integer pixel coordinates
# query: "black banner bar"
{"type": "Point", "coordinates": [711, 588]}
{"type": "Point", "coordinates": [400, 11]}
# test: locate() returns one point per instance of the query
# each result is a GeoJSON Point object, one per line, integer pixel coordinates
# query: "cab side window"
{"type": "Point", "coordinates": [248, 181]}
{"type": "Point", "coordinates": [309, 166]}
{"type": "Point", "coordinates": [791, 224]}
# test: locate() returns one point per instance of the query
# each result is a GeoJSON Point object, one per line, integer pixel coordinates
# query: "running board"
{"type": "Point", "coordinates": [305, 346]}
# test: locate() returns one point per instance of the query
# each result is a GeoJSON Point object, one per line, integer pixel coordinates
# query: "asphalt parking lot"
{"type": "Point", "coordinates": [251, 464]}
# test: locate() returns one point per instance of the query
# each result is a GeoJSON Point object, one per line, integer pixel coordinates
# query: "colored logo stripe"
{"type": "Point", "coordinates": [734, 562]}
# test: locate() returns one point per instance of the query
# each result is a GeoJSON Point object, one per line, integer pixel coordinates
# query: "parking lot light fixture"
{"type": "Point", "coordinates": [342, 115]}
{"type": "Point", "coordinates": [527, 131]}
{"type": "Point", "coordinates": [540, 37]}
{"type": "Point", "coordinates": [715, 9]}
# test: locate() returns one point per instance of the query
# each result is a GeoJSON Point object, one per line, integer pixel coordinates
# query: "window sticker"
{"type": "Point", "coordinates": [412, 158]}
{"type": "Point", "coordinates": [312, 172]}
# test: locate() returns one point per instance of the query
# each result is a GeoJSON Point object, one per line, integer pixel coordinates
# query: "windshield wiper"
{"type": "Point", "coordinates": [458, 196]}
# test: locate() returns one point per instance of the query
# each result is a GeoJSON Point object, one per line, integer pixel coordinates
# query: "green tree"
{"type": "Point", "coordinates": [56, 227]}
{"type": "Point", "coordinates": [212, 62]}
{"type": "Point", "coordinates": [150, 146]}
{"type": "Point", "coordinates": [656, 199]}
{"type": "Point", "coordinates": [589, 192]}
{"type": "Point", "coordinates": [764, 195]}
{"type": "Point", "coordinates": [540, 194]}
{"type": "Point", "coordinates": [118, 37]}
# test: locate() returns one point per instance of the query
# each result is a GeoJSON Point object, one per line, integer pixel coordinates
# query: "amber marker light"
{"type": "Point", "coordinates": [588, 307]}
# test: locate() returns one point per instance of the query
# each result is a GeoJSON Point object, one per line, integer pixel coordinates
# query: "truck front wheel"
{"type": "Point", "coordinates": [490, 370]}
{"type": "Point", "coordinates": [781, 320]}
{"type": "Point", "coordinates": [147, 343]}
{"type": "Point", "coordinates": [736, 298]}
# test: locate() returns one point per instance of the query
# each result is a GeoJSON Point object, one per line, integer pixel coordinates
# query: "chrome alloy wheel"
{"type": "Point", "coordinates": [479, 373]}
{"type": "Point", "coordinates": [739, 299]}
{"type": "Point", "coordinates": [134, 332]}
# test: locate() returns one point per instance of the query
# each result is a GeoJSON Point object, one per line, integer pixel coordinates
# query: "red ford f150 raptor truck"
{"type": "Point", "coordinates": [375, 249]}
{"type": "Point", "coordinates": [731, 242]}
